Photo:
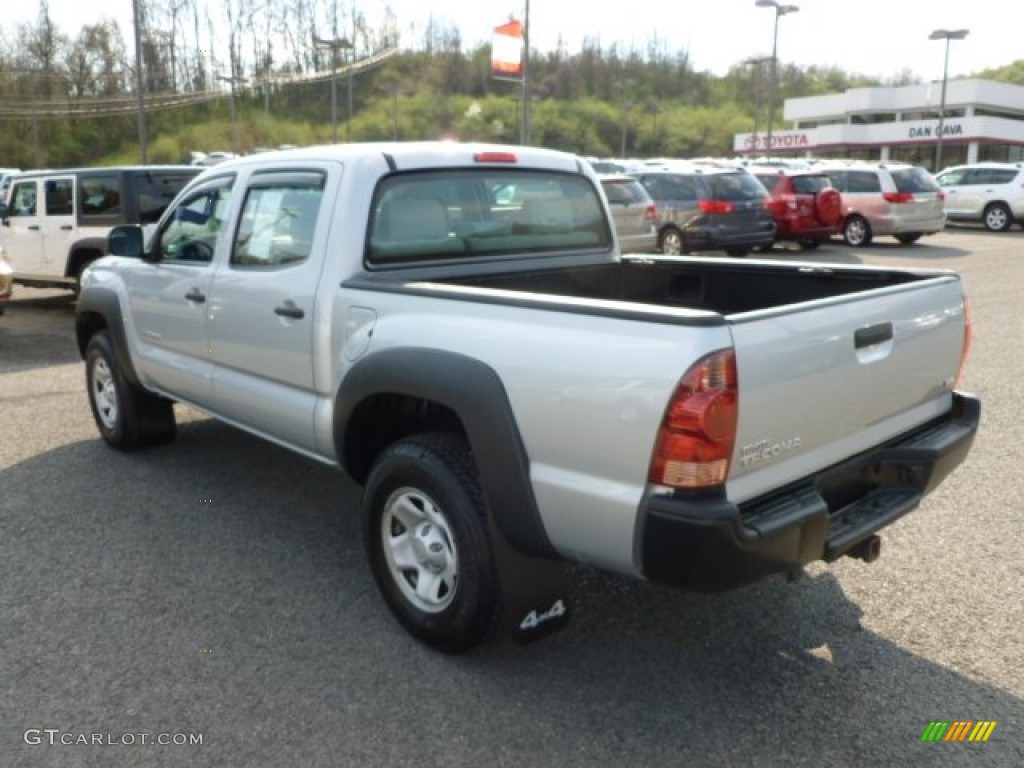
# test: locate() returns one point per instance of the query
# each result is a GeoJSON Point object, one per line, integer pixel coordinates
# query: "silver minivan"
{"type": "Point", "coordinates": [896, 199]}
{"type": "Point", "coordinates": [633, 212]}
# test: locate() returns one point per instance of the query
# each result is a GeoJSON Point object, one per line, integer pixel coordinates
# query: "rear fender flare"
{"type": "Point", "coordinates": [474, 392]}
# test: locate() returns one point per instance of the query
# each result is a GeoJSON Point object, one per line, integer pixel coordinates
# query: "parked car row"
{"type": "Point", "coordinates": [810, 202]}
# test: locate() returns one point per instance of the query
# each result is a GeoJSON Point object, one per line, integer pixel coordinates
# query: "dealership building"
{"type": "Point", "coordinates": [984, 120]}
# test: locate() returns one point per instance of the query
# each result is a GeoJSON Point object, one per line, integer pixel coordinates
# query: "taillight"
{"type": "Point", "coordinates": [898, 197]}
{"type": "Point", "coordinates": [695, 441]}
{"type": "Point", "coordinates": [651, 216]}
{"type": "Point", "coordinates": [967, 344]}
{"type": "Point", "coordinates": [715, 206]}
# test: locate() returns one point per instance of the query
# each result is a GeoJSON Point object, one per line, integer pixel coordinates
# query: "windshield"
{"type": "Point", "coordinates": [468, 213]}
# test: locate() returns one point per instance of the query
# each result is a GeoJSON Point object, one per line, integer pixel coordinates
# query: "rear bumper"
{"type": "Point", "coordinates": [711, 544]}
{"type": "Point", "coordinates": [900, 225]}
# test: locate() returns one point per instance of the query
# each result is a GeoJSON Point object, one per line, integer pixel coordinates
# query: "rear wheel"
{"type": "Point", "coordinates": [997, 217]}
{"type": "Point", "coordinates": [857, 231]}
{"type": "Point", "coordinates": [425, 529]}
{"type": "Point", "coordinates": [810, 245]}
{"type": "Point", "coordinates": [737, 252]}
{"type": "Point", "coordinates": [670, 242]}
{"type": "Point", "coordinates": [909, 238]}
{"type": "Point", "coordinates": [128, 418]}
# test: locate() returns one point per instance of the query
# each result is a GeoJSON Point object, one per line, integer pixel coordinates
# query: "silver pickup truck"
{"type": "Point", "coordinates": [455, 327]}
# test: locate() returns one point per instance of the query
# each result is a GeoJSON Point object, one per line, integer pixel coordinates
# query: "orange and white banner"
{"type": "Point", "coordinates": [507, 50]}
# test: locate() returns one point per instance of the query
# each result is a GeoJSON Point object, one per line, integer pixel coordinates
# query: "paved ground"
{"type": "Point", "coordinates": [217, 586]}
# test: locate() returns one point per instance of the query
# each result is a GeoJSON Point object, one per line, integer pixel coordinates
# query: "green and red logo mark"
{"type": "Point", "coordinates": [958, 730]}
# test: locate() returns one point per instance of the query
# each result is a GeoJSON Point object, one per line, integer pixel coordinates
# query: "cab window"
{"type": "Point", "coordinates": [190, 234]}
{"type": "Point", "coordinates": [278, 220]}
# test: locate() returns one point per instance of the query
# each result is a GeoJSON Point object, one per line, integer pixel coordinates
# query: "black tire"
{"type": "Point", "coordinates": [910, 238]}
{"type": "Point", "coordinates": [857, 231]}
{"type": "Point", "coordinates": [737, 253]}
{"type": "Point", "coordinates": [810, 245]}
{"type": "Point", "coordinates": [128, 418]}
{"type": "Point", "coordinates": [997, 217]}
{"type": "Point", "coordinates": [670, 242]}
{"type": "Point", "coordinates": [424, 517]}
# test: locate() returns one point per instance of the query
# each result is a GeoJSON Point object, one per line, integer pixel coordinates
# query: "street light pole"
{"type": "Point", "coordinates": [756, 67]}
{"type": "Point", "coordinates": [947, 35]}
{"type": "Point", "coordinates": [337, 44]}
{"type": "Point", "coordinates": [780, 10]}
{"type": "Point", "coordinates": [140, 81]}
{"type": "Point", "coordinates": [233, 81]}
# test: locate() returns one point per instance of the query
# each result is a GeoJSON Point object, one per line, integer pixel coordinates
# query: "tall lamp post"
{"type": "Point", "coordinates": [140, 83]}
{"type": "Point", "coordinates": [337, 44]}
{"type": "Point", "coordinates": [233, 81]}
{"type": "Point", "coordinates": [947, 35]}
{"type": "Point", "coordinates": [756, 63]}
{"type": "Point", "coordinates": [780, 10]}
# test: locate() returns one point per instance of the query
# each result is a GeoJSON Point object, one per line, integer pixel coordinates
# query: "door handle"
{"type": "Point", "coordinates": [67, 227]}
{"type": "Point", "coordinates": [873, 334]}
{"type": "Point", "coordinates": [290, 310]}
{"type": "Point", "coordinates": [195, 295]}
{"type": "Point", "coordinates": [34, 227]}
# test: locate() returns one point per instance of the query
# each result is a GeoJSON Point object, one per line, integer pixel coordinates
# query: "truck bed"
{"type": "Point", "coordinates": [709, 285]}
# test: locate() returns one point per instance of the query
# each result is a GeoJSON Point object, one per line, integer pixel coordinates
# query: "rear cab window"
{"type": "Point", "coordinates": [471, 213]}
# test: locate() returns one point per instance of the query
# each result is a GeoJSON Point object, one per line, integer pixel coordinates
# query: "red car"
{"type": "Point", "coordinates": [806, 207]}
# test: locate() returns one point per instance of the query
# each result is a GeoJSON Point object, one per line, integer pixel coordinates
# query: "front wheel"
{"type": "Point", "coordinates": [128, 418]}
{"type": "Point", "coordinates": [857, 231]}
{"type": "Point", "coordinates": [997, 218]}
{"type": "Point", "coordinates": [909, 238]}
{"type": "Point", "coordinates": [810, 245]}
{"type": "Point", "coordinates": [737, 253]}
{"type": "Point", "coordinates": [425, 530]}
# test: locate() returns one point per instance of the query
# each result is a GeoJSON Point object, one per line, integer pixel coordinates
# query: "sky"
{"type": "Point", "coordinates": [879, 38]}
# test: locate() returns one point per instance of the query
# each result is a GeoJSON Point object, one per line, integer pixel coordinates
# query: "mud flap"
{"type": "Point", "coordinates": [535, 592]}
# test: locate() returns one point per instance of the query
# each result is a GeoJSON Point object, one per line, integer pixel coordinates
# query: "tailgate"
{"type": "Point", "coordinates": [823, 381]}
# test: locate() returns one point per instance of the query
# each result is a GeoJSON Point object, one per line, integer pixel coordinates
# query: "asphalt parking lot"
{"type": "Point", "coordinates": [217, 587]}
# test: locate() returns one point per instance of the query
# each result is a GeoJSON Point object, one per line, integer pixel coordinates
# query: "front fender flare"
{"type": "Point", "coordinates": [103, 305]}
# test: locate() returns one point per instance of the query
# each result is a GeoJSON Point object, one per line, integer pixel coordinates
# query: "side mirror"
{"type": "Point", "coordinates": [126, 241]}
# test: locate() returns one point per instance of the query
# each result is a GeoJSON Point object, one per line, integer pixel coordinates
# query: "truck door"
{"type": "Point", "coordinates": [22, 229]}
{"type": "Point", "coordinates": [170, 293]}
{"type": "Point", "coordinates": [59, 223]}
{"type": "Point", "coordinates": [262, 307]}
